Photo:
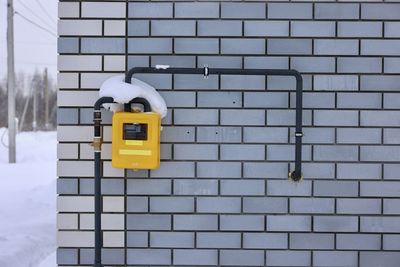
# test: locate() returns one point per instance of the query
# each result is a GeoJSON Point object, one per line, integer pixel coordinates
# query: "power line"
{"type": "Point", "coordinates": [35, 24]}
{"type": "Point", "coordinates": [35, 15]}
{"type": "Point", "coordinates": [45, 12]}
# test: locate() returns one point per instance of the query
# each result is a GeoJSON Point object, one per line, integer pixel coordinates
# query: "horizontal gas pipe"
{"type": "Point", "coordinates": [295, 175]}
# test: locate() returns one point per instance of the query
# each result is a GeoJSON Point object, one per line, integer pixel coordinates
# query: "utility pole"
{"type": "Point", "coordinates": [11, 82]}
{"type": "Point", "coordinates": [34, 105]}
{"type": "Point", "coordinates": [46, 101]}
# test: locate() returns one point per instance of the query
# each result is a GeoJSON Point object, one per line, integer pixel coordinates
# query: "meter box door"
{"type": "Point", "coordinates": [136, 140]}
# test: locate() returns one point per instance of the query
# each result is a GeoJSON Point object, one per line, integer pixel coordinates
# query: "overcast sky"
{"type": "Point", "coordinates": [34, 48]}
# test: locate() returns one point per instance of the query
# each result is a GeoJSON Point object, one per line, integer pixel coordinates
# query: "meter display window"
{"type": "Point", "coordinates": [136, 131]}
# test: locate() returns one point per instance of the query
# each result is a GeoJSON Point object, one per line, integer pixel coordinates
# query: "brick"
{"type": "Point", "coordinates": [243, 82]}
{"type": "Point", "coordinates": [219, 28]}
{"type": "Point", "coordinates": [171, 204]}
{"type": "Point", "coordinates": [266, 99]}
{"type": "Point", "coordinates": [112, 186]}
{"type": "Point", "coordinates": [313, 29]}
{"type": "Point", "coordinates": [315, 100]}
{"type": "Point", "coordinates": [195, 257]}
{"type": "Point", "coordinates": [289, 47]}
{"type": "Point", "coordinates": [67, 45]}
{"type": "Point", "coordinates": [266, 28]}
{"type": "Point", "coordinates": [359, 100]}
{"type": "Point", "coordinates": [265, 205]}
{"type": "Point", "coordinates": [358, 171]}
{"type": "Point", "coordinates": [138, 61]}
{"type": "Point", "coordinates": [265, 169]}
{"type": "Point", "coordinates": [177, 134]}
{"type": "Point", "coordinates": [313, 64]}
{"type": "Point", "coordinates": [265, 135]}
{"type": "Point", "coordinates": [195, 82]}
{"type": "Point", "coordinates": [311, 241]}
{"type": "Point", "coordinates": [179, 99]}
{"type": "Point", "coordinates": [218, 205]}
{"type": "Point", "coordinates": [391, 171]}
{"type": "Point", "coordinates": [359, 29]}
{"type": "Point", "coordinates": [114, 27]}
{"type": "Point", "coordinates": [290, 10]}
{"type": "Point", "coordinates": [219, 134]}
{"type": "Point", "coordinates": [196, 116]}
{"type": "Point", "coordinates": [391, 136]}
{"type": "Point", "coordinates": [243, 46]}
{"type": "Point", "coordinates": [379, 118]}
{"type": "Point", "coordinates": [149, 45]}
{"type": "Point", "coordinates": [337, 11]}
{"type": "Point", "coordinates": [392, 65]}
{"type": "Point", "coordinates": [391, 206]}
{"type": "Point", "coordinates": [67, 116]}
{"type": "Point", "coordinates": [176, 61]}
{"type": "Point", "coordinates": [379, 189]}
{"type": "Point", "coordinates": [292, 223]}
{"type": "Point", "coordinates": [218, 240]}
{"type": "Point", "coordinates": [67, 221]}
{"type": "Point", "coordinates": [335, 153]}
{"type": "Point", "coordinates": [380, 224]}
{"type": "Point", "coordinates": [75, 168]}
{"type": "Point", "coordinates": [335, 224]}
{"type": "Point", "coordinates": [319, 170]}
{"type": "Point", "coordinates": [79, 63]}
{"type": "Point", "coordinates": [148, 222]}
{"type": "Point", "coordinates": [138, 28]}
{"type": "Point", "coordinates": [114, 239]}
{"type": "Point", "coordinates": [377, 82]}
{"type": "Point", "coordinates": [67, 80]}
{"type": "Point", "coordinates": [79, 27]}
{"type": "Point", "coordinates": [68, 9]}
{"type": "Point", "coordinates": [219, 99]}
{"type": "Point", "coordinates": [358, 241]}
{"type": "Point", "coordinates": [195, 187]}
{"type": "Point", "coordinates": [269, 62]}
{"type": "Point", "coordinates": [242, 152]}
{"type": "Point", "coordinates": [335, 188]}
{"type": "Point", "coordinates": [380, 47]}
{"type": "Point", "coordinates": [93, 80]}
{"type": "Point", "coordinates": [103, 10]}
{"type": "Point", "coordinates": [243, 10]}
{"type": "Point", "coordinates": [171, 240]}
{"type": "Point", "coordinates": [196, 222]}
{"type": "Point", "coordinates": [67, 186]}
{"type": "Point", "coordinates": [137, 204]}
{"type": "Point", "coordinates": [76, 98]}
{"type": "Point", "coordinates": [286, 152]}
{"type": "Point", "coordinates": [67, 256]}
{"type": "Point", "coordinates": [288, 188]}
{"type": "Point", "coordinates": [150, 10]}
{"type": "Point", "coordinates": [149, 256]}
{"type": "Point", "coordinates": [281, 117]}
{"type": "Point", "coordinates": [196, 46]}
{"type": "Point", "coordinates": [242, 117]}
{"type": "Point", "coordinates": [159, 81]}
{"type": "Point", "coordinates": [197, 10]}
{"type": "Point", "coordinates": [241, 258]}
{"type": "Point", "coordinates": [380, 11]}
{"type": "Point", "coordinates": [335, 47]}
{"type": "Point", "coordinates": [242, 187]}
{"type": "Point", "coordinates": [75, 239]}
{"type": "Point", "coordinates": [148, 186]}
{"type": "Point", "coordinates": [392, 29]}
{"type": "Point", "coordinates": [335, 82]}
{"type": "Point", "coordinates": [137, 239]}
{"type": "Point", "coordinates": [288, 258]}
{"type": "Point", "coordinates": [195, 151]}
{"type": "Point", "coordinates": [234, 62]}
{"type": "Point", "coordinates": [265, 240]}
{"type": "Point", "coordinates": [335, 258]}
{"type": "Point", "coordinates": [242, 223]}
{"type": "Point", "coordinates": [359, 65]}
{"type": "Point", "coordinates": [312, 205]}
{"type": "Point", "coordinates": [336, 118]}
{"type": "Point", "coordinates": [173, 28]}
{"type": "Point", "coordinates": [114, 63]}
{"type": "Point", "coordinates": [379, 153]}
{"type": "Point", "coordinates": [391, 242]}
{"type": "Point", "coordinates": [112, 221]}
{"type": "Point", "coordinates": [375, 258]}
{"type": "Point", "coordinates": [219, 169]}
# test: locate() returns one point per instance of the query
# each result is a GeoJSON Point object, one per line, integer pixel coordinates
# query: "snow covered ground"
{"type": "Point", "coordinates": [27, 201]}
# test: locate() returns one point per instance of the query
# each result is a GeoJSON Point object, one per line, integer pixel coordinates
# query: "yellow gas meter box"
{"type": "Point", "coordinates": [136, 140]}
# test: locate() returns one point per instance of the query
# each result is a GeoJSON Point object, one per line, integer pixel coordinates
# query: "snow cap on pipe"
{"type": "Point", "coordinates": [123, 92]}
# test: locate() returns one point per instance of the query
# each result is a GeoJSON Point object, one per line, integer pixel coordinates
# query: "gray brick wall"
{"type": "Point", "coordinates": [221, 196]}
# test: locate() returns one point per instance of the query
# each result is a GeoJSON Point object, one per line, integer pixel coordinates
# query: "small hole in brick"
{"type": "Point", "coordinates": [216, 132]}
{"type": "Point", "coordinates": [188, 132]}
{"type": "Point", "coordinates": [234, 102]}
